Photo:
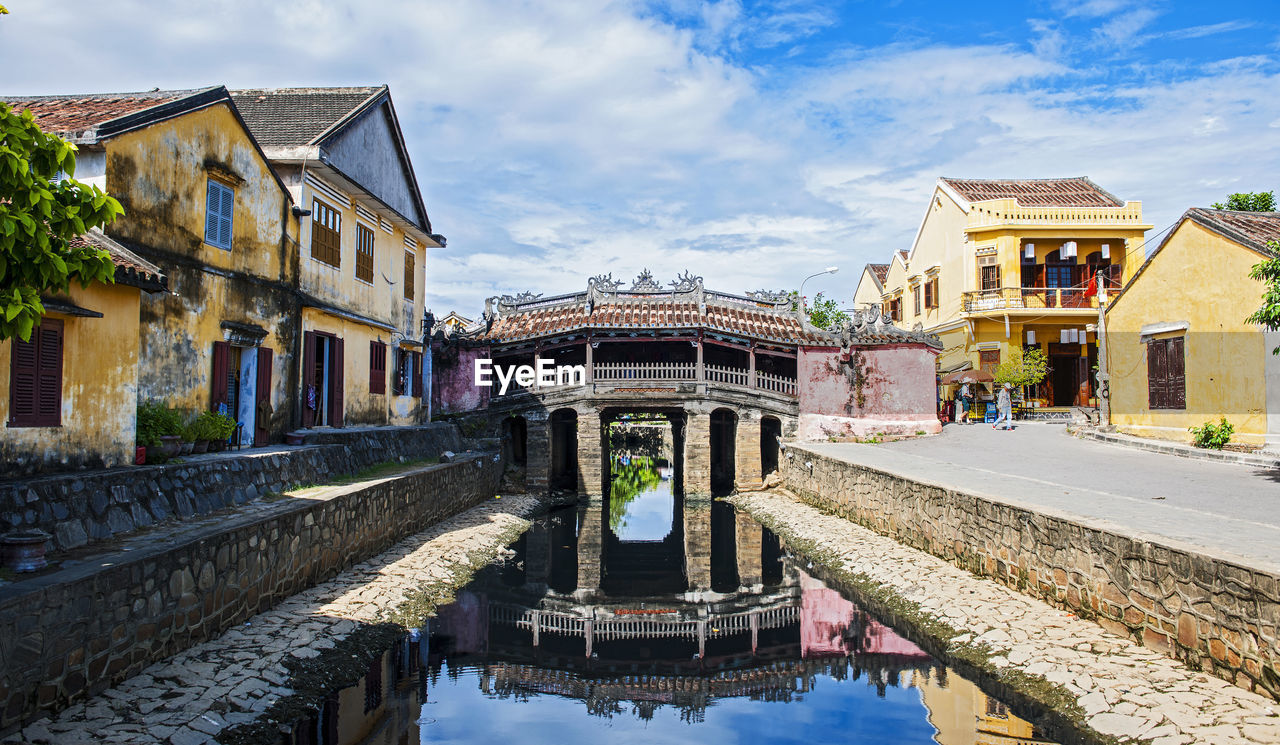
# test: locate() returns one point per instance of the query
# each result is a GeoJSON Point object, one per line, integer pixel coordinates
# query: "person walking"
{"type": "Point", "coordinates": [962, 404]}
{"type": "Point", "coordinates": [1004, 408]}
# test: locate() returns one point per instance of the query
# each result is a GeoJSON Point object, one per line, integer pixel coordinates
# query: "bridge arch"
{"type": "Point", "coordinates": [724, 436]}
{"type": "Point", "coordinates": [564, 449]}
{"type": "Point", "coordinates": [770, 435]}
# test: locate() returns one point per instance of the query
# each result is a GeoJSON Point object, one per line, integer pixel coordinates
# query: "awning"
{"type": "Point", "coordinates": [67, 308]}
{"type": "Point", "coordinates": [965, 365]}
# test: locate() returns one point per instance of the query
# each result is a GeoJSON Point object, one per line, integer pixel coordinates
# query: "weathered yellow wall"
{"type": "Point", "coordinates": [867, 292]}
{"type": "Point", "coordinates": [160, 176]}
{"type": "Point", "coordinates": [383, 299]}
{"type": "Point", "coordinates": [360, 407]}
{"type": "Point", "coordinates": [1202, 278]}
{"type": "Point", "coordinates": [99, 388]}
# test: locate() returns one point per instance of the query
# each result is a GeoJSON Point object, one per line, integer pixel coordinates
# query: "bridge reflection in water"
{"type": "Point", "coordinates": [573, 639]}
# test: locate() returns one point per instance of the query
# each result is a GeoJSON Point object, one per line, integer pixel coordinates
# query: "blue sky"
{"type": "Point", "coordinates": [752, 142]}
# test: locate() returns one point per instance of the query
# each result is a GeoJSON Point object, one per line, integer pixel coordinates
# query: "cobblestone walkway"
{"type": "Point", "coordinates": [1126, 691]}
{"type": "Point", "coordinates": [230, 680]}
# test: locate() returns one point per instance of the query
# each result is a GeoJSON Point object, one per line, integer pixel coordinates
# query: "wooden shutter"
{"type": "Point", "coordinates": [417, 375]}
{"type": "Point", "coordinates": [408, 275]}
{"type": "Point", "coordinates": [335, 395]}
{"type": "Point", "coordinates": [1176, 385]}
{"type": "Point", "coordinates": [49, 374]}
{"type": "Point", "coordinates": [212, 204]}
{"type": "Point", "coordinates": [326, 234]}
{"type": "Point", "coordinates": [23, 373]}
{"type": "Point", "coordinates": [309, 377]}
{"type": "Point", "coordinates": [221, 360]}
{"type": "Point", "coordinates": [928, 294]}
{"type": "Point", "coordinates": [377, 367]}
{"type": "Point", "coordinates": [1156, 374]}
{"type": "Point", "coordinates": [262, 427]}
{"type": "Point", "coordinates": [364, 253]}
{"type": "Point", "coordinates": [224, 217]}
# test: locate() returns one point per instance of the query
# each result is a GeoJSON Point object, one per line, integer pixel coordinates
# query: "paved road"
{"type": "Point", "coordinates": [1232, 509]}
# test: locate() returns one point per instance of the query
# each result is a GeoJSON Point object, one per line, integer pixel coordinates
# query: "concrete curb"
{"type": "Point", "coordinates": [1173, 448]}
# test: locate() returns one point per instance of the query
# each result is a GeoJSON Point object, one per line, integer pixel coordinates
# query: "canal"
{"type": "Point", "coordinates": [648, 619]}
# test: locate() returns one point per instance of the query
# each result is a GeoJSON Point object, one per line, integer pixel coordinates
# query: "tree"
{"type": "Point", "coordinates": [1249, 201]}
{"type": "Point", "coordinates": [40, 212]}
{"type": "Point", "coordinates": [1268, 272]}
{"type": "Point", "coordinates": [825, 312]}
{"type": "Point", "coordinates": [1023, 368]}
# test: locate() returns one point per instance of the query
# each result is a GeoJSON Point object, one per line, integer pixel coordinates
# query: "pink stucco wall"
{"type": "Point", "coordinates": [453, 386]}
{"type": "Point", "coordinates": [889, 389]}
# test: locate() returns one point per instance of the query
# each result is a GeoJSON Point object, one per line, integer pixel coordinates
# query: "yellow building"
{"type": "Point", "coordinates": [1179, 352]}
{"type": "Point", "coordinates": [362, 254]}
{"type": "Point", "coordinates": [870, 286]}
{"type": "Point", "coordinates": [201, 200]}
{"type": "Point", "coordinates": [999, 265]}
{"type": "Point", "coordinates": [68, 396]}
{"type": "Point", "coordinates": [963, 715]}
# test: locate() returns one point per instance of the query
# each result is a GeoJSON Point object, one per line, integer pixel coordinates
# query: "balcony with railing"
{"type": "Point", "coordinates": [642, 373]}
{"type": "Point", "coordinates": [1030, 298]}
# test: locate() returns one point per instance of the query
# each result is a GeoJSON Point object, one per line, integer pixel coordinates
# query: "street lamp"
{"type": "Point", "coordinates": [828, 270]}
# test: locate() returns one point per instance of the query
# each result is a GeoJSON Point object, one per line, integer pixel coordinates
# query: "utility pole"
{"type": "Point", "coordinates": [1104, 377]}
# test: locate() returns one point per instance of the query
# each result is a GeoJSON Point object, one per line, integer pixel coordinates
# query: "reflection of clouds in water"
{"type": "Point", "coordinates": [648, 516]}
{"type": "Point", "coordinates": [850, 707]}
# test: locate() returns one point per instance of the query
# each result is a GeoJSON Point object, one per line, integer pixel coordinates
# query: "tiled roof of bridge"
{"type": "Point", "coordinates": [661, 312]}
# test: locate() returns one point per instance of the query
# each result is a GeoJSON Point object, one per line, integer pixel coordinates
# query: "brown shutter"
{"type": "Point", "coordinates": [1155, 375]}
{"type": "Point", "coordinates": [262, 428]}
{"type": "Point", "coordinates": [417, 375]}
{"type": "Point", "coordinates": [49, 382]}
{"type": "Point", "coordinates": [377, 367]}
{"type": "Point", "coordinates": [1177, 381]}
{"type": "Point", "coordinates": [309, 377]}
{"type": "Point", "coordinates": [23, 373]}
{"type": "Point", "coordinates": [335, 396]}
{"type": "Point", "coordinates": [221, 359]}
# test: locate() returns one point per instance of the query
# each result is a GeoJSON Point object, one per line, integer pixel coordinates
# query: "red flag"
{"type": "Point", "coordinates": [1093, 286]}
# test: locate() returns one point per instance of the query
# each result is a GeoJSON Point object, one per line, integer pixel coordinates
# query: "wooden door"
{"type": "Point", "coordinates": [336, 382]}
{"type": "Point", "coordinates": [262, 392]}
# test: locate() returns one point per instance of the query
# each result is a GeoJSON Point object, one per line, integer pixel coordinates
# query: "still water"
{"type": "Point", "coordinates": [649, 620]}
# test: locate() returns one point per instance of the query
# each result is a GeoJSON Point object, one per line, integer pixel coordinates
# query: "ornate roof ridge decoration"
{"type": "Point", "coordinates": [870, 326]}
{"type": "Point", "coordinates": [773, 297]}
{"type": "Point", "coordinates": [645, 283]}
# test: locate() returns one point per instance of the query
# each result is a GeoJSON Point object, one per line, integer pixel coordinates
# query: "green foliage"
{"type": "Point", "coordinates": [1249, 201]}
{"type": "Point", "coordinates": [824, 313]}
{"type": "Point", "coordinates": [1268, 272]}
{"type": "Point", "coordinates": [1210, 435]}
{"type": "Point", "coordinates": [1023, 368]}
{"type": "Point", "coordinates": [630, 481]}
{"type": "Point", "coordinates": [155, 420]}
{"type": "Point", "coordinates": [38, 218]}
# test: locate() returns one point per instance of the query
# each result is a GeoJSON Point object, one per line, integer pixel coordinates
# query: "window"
{"type": "Point", "coordinates": [408, 275]}
{"type": "Point", "coordinates": [915, 297]}
{"type": "Point", "coordinates": [988, 274]}
{"type": "Point", "coordinates": [326, 234]}
{"type": "Point", "coordinates": [364, 253]}
{"type": "Point", "coordinates": [931, 293]}
{"type": "Point", "coordinates": [989, 360]}
{"type": "Point", "coordinates": [217, 219]}
{"type": "Point", "coordinates": [377, 367]}
{"type": "Point", "coordinates": [35, 377]}
{"type": "Point", "coordinates": [1166, 379]}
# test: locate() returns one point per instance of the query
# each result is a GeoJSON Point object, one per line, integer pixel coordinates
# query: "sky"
{"type": "Point", "coordinates": [753, 143]}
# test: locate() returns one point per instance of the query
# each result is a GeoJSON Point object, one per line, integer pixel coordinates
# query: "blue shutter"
{"type": "Point", "coordinates": [211, 215]}
{"type": "Point", "coordinates": [224, 215]}
{"type": "Point", "coordinates": [217, 221]}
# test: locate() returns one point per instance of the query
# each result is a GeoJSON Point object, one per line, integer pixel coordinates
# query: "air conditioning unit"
{"type": "Point", "coordinates": [1069, 250]}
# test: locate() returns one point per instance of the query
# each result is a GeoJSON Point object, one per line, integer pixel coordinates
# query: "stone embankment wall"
{"type": "Point", "coordinates": [83, 507]}
{"type": "Point", "coordinates": [85, 628]}
{"type": "Point", "coordinates": [1216, 615]}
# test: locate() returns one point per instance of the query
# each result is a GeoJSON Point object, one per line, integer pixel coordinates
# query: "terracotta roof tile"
{"type": "Point", "coordinates": [879, 271]}
{"type": "Point", "coordinates": [1048, 192]}
{"type": "Point", "coordinates": [70, 115]}
{"type": "Point", "coordinates": [1252, 229]}
{"type": "Point", "coordinates": [130, 267]}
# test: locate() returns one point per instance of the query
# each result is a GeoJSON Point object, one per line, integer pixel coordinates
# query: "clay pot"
{"type": "Point", "coordinates": [170, 445]}
{"type": "Point", "coordinates": [201, 446]}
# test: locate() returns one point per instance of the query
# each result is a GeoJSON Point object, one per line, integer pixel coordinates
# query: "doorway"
{"type": "Point", "coordinates": [724, 430]}
{"type": "Point", "coordinates": [322, 385]}
{"type": "Point", "coordinates": [564, 449]}
{"type": "Point", "coordinates": [770, 434]}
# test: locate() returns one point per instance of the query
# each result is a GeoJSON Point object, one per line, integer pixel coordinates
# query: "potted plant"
{"type": "Point", "coordinates": [221, 427]}
{"type": "Point", "coordinates": [171, 426]}
{"type": "Point", "coordinates": [205, 429]}
{"type": "Point", "coordinates": [148, 429]}
{"type": "Point", "coordinates": [188, 433]}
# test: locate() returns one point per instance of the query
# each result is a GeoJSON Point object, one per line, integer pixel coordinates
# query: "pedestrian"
{"type": "Point", "coordinates": [962, 404]}
{"type": "Point", "coordinates": [1004, 408]}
